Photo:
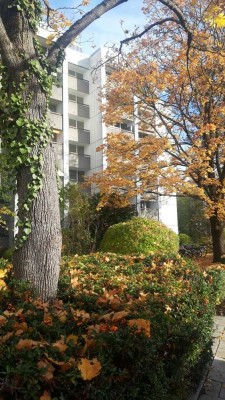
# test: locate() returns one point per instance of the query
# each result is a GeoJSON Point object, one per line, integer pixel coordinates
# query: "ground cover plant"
{"type": "Point", "coordinates": [123, 327]}
{"type": "Point", "coordinates": [140, 236]}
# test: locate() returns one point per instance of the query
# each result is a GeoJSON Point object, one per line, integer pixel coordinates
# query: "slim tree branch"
{"type": "Point", "coordinates": [80, 25]}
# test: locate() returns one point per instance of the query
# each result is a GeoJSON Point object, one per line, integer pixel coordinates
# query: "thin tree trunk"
{"type": "Point", "coordinates": [37, 261]}
{"type": "Point", "coordinates": [217, 229]}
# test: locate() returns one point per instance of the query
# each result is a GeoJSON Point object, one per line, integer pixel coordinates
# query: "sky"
{"type": "Point", "coordinates": [107, 29]}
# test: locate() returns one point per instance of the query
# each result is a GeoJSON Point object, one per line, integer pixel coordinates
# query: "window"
{"type": "Point", "coordinates": [80, 125]}
{"type": "Point", "coordinates": [78, 75]}
{"type": "Point", "coordinates": [77, 99]}
{"type": "Point", "coordinates": [77, 176]}
{"type": "Point", "coordinates": [71, 72]}
{"type": "Point", "coordinates": [52, 108]}
{"type": "Point", "coordinates": [72, 123]}
{"type": "Point", "coordinates": [72, 97]}
{"type": "Point", "coordinates": [77, 149]}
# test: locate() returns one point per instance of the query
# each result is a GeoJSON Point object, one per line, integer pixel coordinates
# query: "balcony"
{"type": "Point", "coordinates": [58, 148]}
{"type": "Point", "coordinates": [56, 93]}
{"type": "Point", "coordinates": [81, 110]}
{"type": "Point", "coordinates": [78, 161]}
{"type": "Point", "coordinates": [55, 120]}
{"type": "Point", "coordinates": [116, 129]}
{"type": "Point", "coordinates": [80, 85]}
{"type": "Point", "coordinates": [79, 135]}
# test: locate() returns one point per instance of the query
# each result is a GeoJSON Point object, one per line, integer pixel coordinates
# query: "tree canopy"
{"type": "Point", "coordinates": [171, 81]}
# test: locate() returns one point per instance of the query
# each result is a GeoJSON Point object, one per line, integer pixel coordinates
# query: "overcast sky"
{"type": "Point", "coordinates": [107, 29]}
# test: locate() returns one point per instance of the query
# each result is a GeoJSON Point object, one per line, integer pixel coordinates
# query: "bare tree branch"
{"type": "Point", "coordinates": [139, 35]}
{"type": "Point", "coordinates": [80, 25]}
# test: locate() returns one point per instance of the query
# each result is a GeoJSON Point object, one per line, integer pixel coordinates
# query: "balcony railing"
{"type": "Point", "coordinates": [79, 135]}
{"type": "Point", "coordinates": [81, 162]}
{"type": "Point", "coordinates": [56, 93]}
{"type": "Point", "coordinates": [116, 129]}
{"type": "Point", "coordinates": [55, 120]}
{"type": "Point", "coordinates": [58, 149]}
{"type": "Point", "coordinates": [80, 85]}
{"type": "Point", "coordinates": [80, 110]}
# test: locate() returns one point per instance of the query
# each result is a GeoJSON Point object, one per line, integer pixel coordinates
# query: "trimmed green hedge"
{"type": "Point", "coordinates": [140, 236]}
{"type": "Point", "coordinates": [141, 324]}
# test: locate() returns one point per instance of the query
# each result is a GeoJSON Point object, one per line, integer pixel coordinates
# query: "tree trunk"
{"type": "Point", "coordinates": [37, 261]}
{"type": "Point", "coordinates": [217, 228]}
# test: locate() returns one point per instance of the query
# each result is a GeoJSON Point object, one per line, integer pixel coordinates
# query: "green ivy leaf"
{"type": "Point", "coordinates": [20, 122]}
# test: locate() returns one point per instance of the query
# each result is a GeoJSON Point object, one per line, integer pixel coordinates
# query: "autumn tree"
{"type": "Point", "coordinates": [172, 82]}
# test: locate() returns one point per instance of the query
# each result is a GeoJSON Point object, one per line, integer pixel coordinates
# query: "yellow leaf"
{"type": "Point", "coordinates": [89, 369]}
{"type": "Point", "coordinates": [2, 273]}
{"type": "Point", "coordinates": [141, 324]}
{"type": "Point", "coordinates": [2, 284]}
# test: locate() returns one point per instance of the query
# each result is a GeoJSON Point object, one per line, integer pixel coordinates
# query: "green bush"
{"type": "Point", "coordinates": [184, 239]}
{"type": "Point", "coordinates": [141, 325]}
{"type": "Point", "coordinates": [139, 236]}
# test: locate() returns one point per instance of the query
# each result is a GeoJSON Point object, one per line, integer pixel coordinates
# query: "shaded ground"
{"type": "Point", "coordinates": [205, 262]}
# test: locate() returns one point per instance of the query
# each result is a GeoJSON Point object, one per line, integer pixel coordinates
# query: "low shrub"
{"type": "Point", "coordinates": [139, 236]}
{"type": "Point", "coordinates": [184, 239]}
{"type": "Point", "coordinates": [122, 328]}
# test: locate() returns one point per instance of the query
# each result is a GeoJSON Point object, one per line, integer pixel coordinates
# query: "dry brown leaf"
{"type": "Point", "coordinates": [19, 332]}
{"type": "Point", "coordinates": [60, 344]}
{"type": "Point", "coordinates": [48, 369]}
{"type": "Point", "coordinates": [141, 324]}
{"type": "Point", "coordinates": [80, 314]}
{"type": "Point", "coordinates": [119, 315]}
{"type": "Point", "coordinates": [26, 344]}
{"type": "Point", "coordinates": [20, 326]}
{"type": "Point", "coordinates": [47, 319]}
{"type": "Point", "coordinates": [2, 320]}
{"type": "Point", "coordinates": [75, 282]}
{"type": "Point", "coordinates": [68, 364]}
{"type": "Point", "coordinates": [6, 337]}
{"type": "Point", "coordinates": [89, 369]}
{"type": "Point", "coordinates": [115, 304]}
{"type": "Point", "coordinates": [46, 396]}
{"type": "Point", "coordinates": [62, 315]}
{"type": "Point", "coordinates": [52, 361]}
{"type": "Point", "coordinates": [107, 317]}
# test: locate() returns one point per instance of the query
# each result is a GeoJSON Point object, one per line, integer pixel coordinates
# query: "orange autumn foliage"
{"type": "Point", "coordinates": [172, 86]}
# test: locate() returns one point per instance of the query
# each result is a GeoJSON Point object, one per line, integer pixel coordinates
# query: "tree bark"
{"type": "Point", "coordinates": [217, 229]}
{"type": "Point", "coordinates": [37, 261]}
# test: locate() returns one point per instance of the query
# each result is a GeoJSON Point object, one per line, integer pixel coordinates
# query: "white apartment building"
{"type": "Point", "coordinates": [79, 129]}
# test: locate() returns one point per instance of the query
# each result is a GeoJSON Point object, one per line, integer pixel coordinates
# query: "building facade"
{"type": "Point", "coordinates": [78, 127]}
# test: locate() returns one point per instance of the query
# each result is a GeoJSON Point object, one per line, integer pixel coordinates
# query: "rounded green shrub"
{"type": "Point", "coordinates": [139, 236]}
{"type": "Point", "coordinates": [184, 239]}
